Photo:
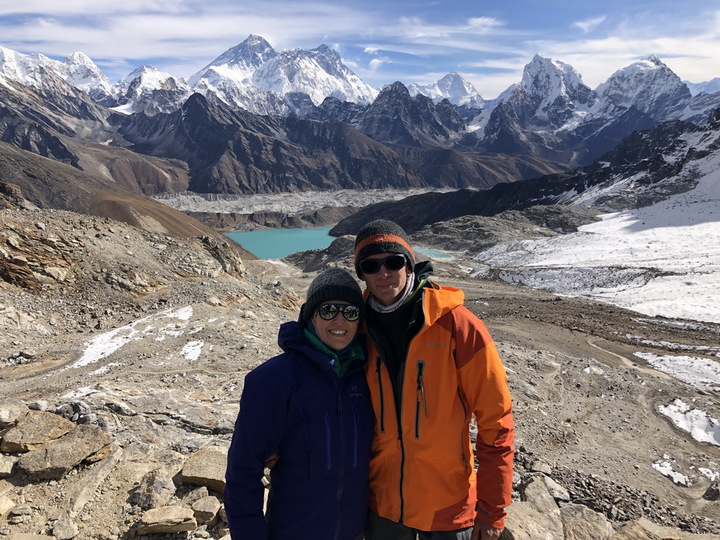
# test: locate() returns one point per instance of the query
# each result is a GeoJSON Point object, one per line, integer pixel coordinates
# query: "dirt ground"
{"type": "Point", "coordinates": [584, 404]}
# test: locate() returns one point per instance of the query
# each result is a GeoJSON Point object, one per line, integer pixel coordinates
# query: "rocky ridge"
{"type": "Point", "coordinates": [130, 347]}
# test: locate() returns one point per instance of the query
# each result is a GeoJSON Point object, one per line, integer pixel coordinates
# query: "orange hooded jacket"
{"type": "Point", "coordinates": [421, 467]}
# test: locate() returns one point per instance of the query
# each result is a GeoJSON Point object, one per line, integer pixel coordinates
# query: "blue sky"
{"type": "Point", "coordinates": [487, 42]}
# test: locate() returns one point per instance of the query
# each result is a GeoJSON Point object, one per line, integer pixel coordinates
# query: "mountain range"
{"type": "Point", "coordinates": [260, 121]}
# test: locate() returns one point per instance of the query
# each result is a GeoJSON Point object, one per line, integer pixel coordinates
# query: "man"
{"type": "Point", "coordinates": [431, 366]}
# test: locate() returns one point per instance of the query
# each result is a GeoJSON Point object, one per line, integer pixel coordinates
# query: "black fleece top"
{"type": "Point", "coordinates": [392, 332]}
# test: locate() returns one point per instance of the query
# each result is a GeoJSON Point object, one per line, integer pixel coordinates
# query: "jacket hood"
{"type": "Point", "coordinates": [439, 300]}
{"type": "Point", "coordinates": [291, 338]}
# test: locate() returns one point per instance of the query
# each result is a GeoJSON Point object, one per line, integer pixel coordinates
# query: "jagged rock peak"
{"type": "Point", "coordinates": [547, 77]}
{"type": "Point", "coordinates": [396, 89]}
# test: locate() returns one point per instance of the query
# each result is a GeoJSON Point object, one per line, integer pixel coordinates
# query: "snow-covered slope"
{"type": "Point", "coordinates": [25, 68]}
{"type": "Point", "coordinates": [80, 71]}
{"type": "Point", "coordinates": [236, 64]}
{"type": "Point", "coordinates": [663, 259]}
{"type": "Point", "coordinates": [707, 87]}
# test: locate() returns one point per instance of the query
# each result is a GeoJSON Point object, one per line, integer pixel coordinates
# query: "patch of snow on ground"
{"type": "Point", "coordinates": [699, 372]}
{"type": "Point", "coordinates": [701, 426]}
{"type": "Point", "coordinates": [666, 469]}
{"type": "Point", "coordinates": [107, 343]}
{"type": "Point", "coordinates": [191, 351]}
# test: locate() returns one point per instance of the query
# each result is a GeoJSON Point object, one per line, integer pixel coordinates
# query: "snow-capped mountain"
{"type": "Point", "coordinates": [81, 72]}
{"type": "Point", "coordinates": [542, 114]}
{"type": "Point", "coordinates": [649, 86]}
{"type": "Point", "coordinates": [553, 114]}
{"type": "Point", "coordinates": [319, 73]}
{"type": "Point", "coordinates": [255, 77]}
{"type": "Point", "coordinates": [236, 64]}
{"type": "Point", "coordinates": [556, 92]}
{"type": "Point", "coordinates": [227, 78]}
{"type": "Point", "coordinates": [150, 90]}
{"type": "Point", "coordinates": [452, 87]}
{"type": "Point", "coordinates": [77, 69]}
{"type": "Point", "coordinates": [25, 68]}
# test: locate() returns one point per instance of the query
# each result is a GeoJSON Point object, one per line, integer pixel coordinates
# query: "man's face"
{"type": "Point", "coordinates": [386, 285]}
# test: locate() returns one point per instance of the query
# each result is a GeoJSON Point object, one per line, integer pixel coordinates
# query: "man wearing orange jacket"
{"type": "Point", "coordinates": [432, 365]}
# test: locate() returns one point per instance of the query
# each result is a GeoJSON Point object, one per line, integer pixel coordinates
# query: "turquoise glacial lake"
{"type": "Point", "coordinates": [279, 243]}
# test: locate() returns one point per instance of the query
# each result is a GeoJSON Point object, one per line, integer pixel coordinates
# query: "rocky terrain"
{"type": "Point", "coordinates": [123, 353]}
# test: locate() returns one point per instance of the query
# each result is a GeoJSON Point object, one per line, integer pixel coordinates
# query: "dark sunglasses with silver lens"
{"type": "Point", "coordinates": [329, 311]}
{"type": "Point", "coordinates": [393, 263]}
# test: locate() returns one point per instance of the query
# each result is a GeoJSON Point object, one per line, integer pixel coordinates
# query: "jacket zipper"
{"type": "Point", "coordinates": [328, 441]}
{"type": "Point", "coordinates": [378, 361]}
{"type": "Point", "coordinates": [356, 432]}
{"type": "Point", "coordinates": [398, 410]}
{"type": "Point", "coordinates": [421, 401]}
{"type": "Point", "coordinates": [341, 458]}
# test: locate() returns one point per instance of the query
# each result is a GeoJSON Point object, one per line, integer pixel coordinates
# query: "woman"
{"type": "Point", "coordinates": [310, 405]}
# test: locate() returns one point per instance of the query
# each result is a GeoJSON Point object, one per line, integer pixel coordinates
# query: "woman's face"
{"type": "Point", "coordinates": [338, 332]}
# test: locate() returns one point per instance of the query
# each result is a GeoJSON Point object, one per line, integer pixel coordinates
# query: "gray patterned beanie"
{"type": "Point", "coordinates": [331, 284]}
{"type": "Point", "coordinates": [382, 236]}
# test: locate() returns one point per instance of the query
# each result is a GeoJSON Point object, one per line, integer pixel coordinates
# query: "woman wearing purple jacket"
{"type": "Point", "coordinates": [311, 406]}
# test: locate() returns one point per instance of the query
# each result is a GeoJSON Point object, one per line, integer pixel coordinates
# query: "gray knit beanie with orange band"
{"type": "Point", "coordinates": [382, 236]}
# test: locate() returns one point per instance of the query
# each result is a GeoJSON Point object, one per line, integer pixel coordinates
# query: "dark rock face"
{"type": "Point", "coordinates": [659, 161]}
{"type": "Point", "coordinates": [397, 118]}
{"type": "Point", "coordinates": [333, 110]}
{"type": "Point", "coordinates": [238, 152]}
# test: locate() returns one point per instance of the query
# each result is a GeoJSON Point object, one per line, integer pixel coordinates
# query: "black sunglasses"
{"type": "Point", "coordinates": [393, 263]}
{"type": "Point", "coordinates": [329, 311]}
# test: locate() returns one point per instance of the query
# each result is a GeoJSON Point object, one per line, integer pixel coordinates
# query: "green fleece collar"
{"type": "Point", "coordinates": [340, 360]}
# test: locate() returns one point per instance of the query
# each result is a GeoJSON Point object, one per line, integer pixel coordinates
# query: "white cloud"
{"type": "Point", "coordinates": [377, 63]}
{"type": "Point", "coordinates": [589, 24]}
